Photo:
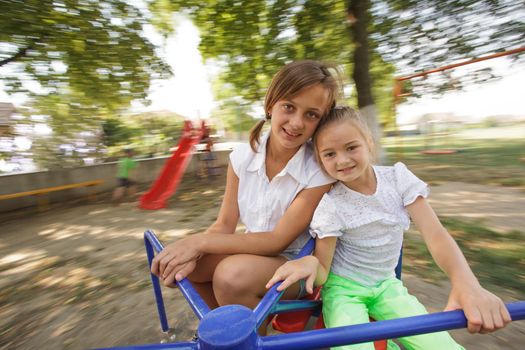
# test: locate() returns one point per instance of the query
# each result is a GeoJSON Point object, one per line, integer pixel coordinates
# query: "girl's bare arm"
{"type": "Point", "coordinates": [313, 268]}
{"type": "Point", "coordinates": [485, 312]}
{"type": "Point", "coordinates": [294, 221]}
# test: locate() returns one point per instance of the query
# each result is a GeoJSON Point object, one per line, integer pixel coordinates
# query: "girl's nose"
{"type": "Point", "coordinates": [343, 159]}
{"type": "Point", "coordinates": [296, 121]}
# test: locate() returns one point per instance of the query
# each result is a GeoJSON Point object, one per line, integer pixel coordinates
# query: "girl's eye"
{"type": "Point", "coordinates": [328, 155]}
{"type": "Point", "coordinates": [312, 115]}
{"type": "Point", "coordinates": [287, 107]}
{"type": "Point", "coordinates": [351, 148]}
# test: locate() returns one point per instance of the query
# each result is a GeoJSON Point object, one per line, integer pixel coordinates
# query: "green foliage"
{"type": "Point", "coordinates": [255, 38]}
{"type": "Point", "coordinates": [81, 62]}
{"type": "Point", "coordinates": [382, 75]}
{"type": "Point", "coordinates": [232, 110]}
{"type": "Point", "coordinates": [421, 35]}
{"type": "Point", "coordinates": [117, 133]}
{"type": "Point", "coordinates": [148, 133]}
{"type": "Point", "coordinates": [93, 50]}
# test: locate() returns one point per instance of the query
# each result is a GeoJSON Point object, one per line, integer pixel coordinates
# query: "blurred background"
{"type": "Point", "coordinates": [440, 83]}
{"type": "Point", "coordinates": [80, 80]}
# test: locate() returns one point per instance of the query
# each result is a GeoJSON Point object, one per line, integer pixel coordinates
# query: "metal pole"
{"type": "Point", "coordinates": [198, 305]}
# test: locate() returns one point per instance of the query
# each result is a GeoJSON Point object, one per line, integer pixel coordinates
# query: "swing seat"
{"type": "Point", "coordinates": [296, 321]}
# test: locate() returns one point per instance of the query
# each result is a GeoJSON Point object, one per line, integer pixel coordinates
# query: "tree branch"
{"type": "Point", "coordinates": [20, 53]}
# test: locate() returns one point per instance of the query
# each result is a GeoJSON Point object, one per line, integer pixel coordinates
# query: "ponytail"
{"type": "Point", "coordinates": [255, 134]}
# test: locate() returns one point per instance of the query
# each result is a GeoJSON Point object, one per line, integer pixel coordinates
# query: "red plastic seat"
{"type": "Point", "coordinates": [296, 321]}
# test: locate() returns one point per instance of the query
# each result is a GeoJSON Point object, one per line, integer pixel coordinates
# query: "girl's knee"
{"type": "Point", "coordinates": [232, 276]}
{"type": "Point", "coordinates": [205, 269]}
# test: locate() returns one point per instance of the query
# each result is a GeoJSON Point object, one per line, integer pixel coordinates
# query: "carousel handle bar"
{"type": "Point", "coordinates": [389, 329]}
{"type": "Point", "coordinates": [242, 334]}
{"type": "Point", "coordinates": [198, 305]}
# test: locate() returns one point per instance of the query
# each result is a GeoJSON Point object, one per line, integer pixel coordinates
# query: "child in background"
{"type": "Point", "coordinates": [359, 228]}
{"type": "Point", "coordinates": [124, 182]}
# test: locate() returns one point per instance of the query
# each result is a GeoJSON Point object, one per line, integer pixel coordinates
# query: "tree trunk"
{"type": "Point", "coordinates": [357, 18]}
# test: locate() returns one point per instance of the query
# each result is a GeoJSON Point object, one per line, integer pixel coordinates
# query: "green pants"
{"type": "Point", "coordinates": [346, 302]}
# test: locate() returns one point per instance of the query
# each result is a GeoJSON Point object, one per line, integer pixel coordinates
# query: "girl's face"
{"type": "Point", "coordinates": [344, 152]}
{"type": "Point", "coordinates": [294, 120]}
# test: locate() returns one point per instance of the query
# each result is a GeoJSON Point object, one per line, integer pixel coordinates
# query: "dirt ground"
{"type": "Point", "coordinates": [76, 277]}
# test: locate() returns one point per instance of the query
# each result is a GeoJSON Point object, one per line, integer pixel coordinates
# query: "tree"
{"type": "Point", "coordinates": [94, 51]}
{"type": "Point", "coordinates": [80, 62]}
{"type": "Point", "coordinates": [256, 37]}
{"type": "Point", "coordinates": [233, 111]}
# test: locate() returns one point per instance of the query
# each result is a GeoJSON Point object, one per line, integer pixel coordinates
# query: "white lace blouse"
{"type": "Point", "coordinates": [369, 227]}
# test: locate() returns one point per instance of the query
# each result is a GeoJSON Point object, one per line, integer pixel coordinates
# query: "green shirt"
{"type": "Point", "coordinates": [124, 166]}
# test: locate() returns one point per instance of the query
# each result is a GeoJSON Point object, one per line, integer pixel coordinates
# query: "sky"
{"type": "Point", "coordinates": [188, 92]}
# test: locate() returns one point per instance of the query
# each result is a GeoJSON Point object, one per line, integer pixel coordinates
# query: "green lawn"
{"type": "Point", "coordinates": [495, 161]}
{"type": "Point", "coordinates": [497, 259]}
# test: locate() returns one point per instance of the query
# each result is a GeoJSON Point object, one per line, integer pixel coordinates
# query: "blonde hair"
{"type": "Point", "coordinates": [290, 80]}
{"type": "Point", "coordinates": [341, 114]}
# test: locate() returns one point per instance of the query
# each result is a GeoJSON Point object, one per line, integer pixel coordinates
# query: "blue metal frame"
{"type": "Point", "coordinates": [235, 327]}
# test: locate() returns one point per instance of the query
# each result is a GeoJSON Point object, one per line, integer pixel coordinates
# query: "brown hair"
{"type": "Point", "coordinates": [341, 114]}
{"type": "Point", "coordinates": [290, 80]}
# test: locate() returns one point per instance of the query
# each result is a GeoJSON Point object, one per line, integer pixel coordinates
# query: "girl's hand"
{"type": "Point", "coordinates": [184, 271]}
{"type": "Point", "coordinates": [295, 270]}
{"type": "Point", "coordinates": [175, 255]}
{"type": "Point", "coordinates": [485, 312]}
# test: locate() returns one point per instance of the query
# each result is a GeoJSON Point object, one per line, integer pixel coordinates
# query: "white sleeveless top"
{"type": "Point", "coordinates": [369, 227]}
{"type": "Point", "coordinates": [262, 203]}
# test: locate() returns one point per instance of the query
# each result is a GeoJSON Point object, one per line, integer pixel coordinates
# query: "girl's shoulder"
{"type": "Point", "coordinates": [405, 183]}
{"type": "Point", "coordinates": [241, 150]}
{"type": "Point", "coordinates": [241, 156]}
{"type": "Point", "coordinates": [394, 173]}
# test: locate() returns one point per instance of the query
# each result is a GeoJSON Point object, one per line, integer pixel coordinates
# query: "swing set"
{"type": "Point", "coordinates": [399, 92]}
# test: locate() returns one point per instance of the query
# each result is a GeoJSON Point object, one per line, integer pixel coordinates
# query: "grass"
{"type": "Point", "coordinates": [497, 259]}
{"type": "Point", "coordinates": [481, 161]}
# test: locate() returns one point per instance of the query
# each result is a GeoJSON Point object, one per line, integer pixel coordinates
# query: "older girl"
{"type": "Point", "coordinates": [273, 186]}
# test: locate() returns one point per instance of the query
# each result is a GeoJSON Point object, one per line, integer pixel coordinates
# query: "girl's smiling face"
{"type": "Point", "coordinates": [294, 120]}
{"type": "Point", "coordinates": [344, 153]}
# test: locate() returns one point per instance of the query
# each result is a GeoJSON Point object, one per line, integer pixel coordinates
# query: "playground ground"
{"type": "Point", "coordinates": [76, 277]}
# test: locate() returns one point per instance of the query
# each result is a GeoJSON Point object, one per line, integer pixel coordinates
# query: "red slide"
{"type": "Point", "coordinates": [166, 184]}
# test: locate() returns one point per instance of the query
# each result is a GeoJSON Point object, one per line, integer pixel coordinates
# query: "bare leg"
{"type": "Point", "coordinates": [241, 279]}
{"type": "Point", "coordinates": [131, 192]}
{"type": "Point", "coordinates": [205, 290]}
{"type": "Point", "coordinates": [201, 278]}
{"type": "Point", "coordinates": [117, 194]}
